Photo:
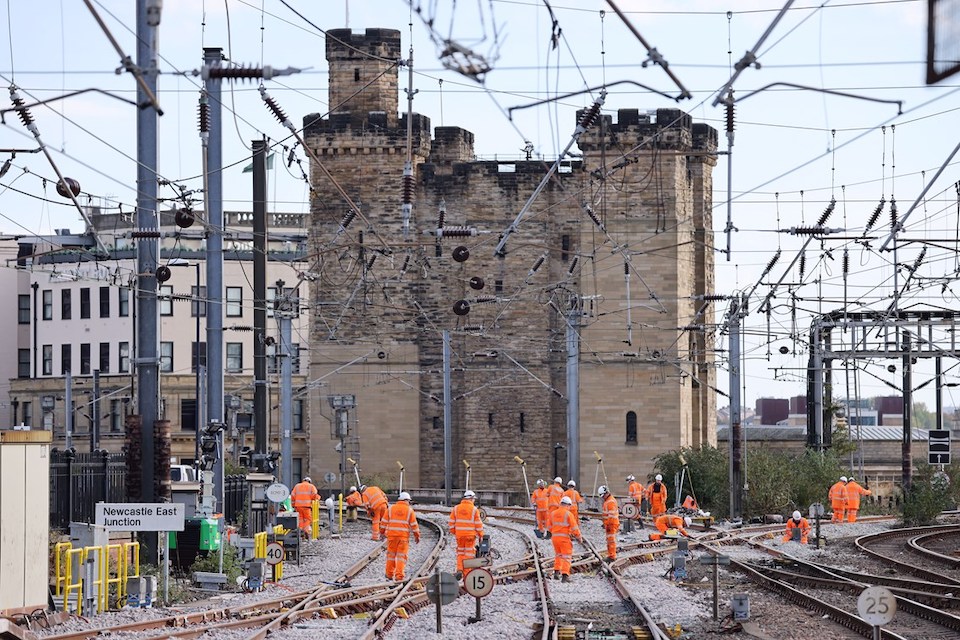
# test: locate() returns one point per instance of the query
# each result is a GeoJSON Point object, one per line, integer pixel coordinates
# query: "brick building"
{"type": "Point", "coordinates": [616, 248]}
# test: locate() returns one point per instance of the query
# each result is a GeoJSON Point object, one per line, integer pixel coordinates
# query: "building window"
{"type": "Point", "coordinates": [123, 304]}
{"type": "Point", "coordinates": [498, 286]}
{"type": "Point", "coordinates": [47, 304]}
{"type": "Point", "coordinates": [104, 357]}
{"type": "Point", "coordinates": [66, 359]}
{"type": "Point", "coordinates": [198, 302]}
{"type": "Point", "coordinates": [27, 413]}
{"type": "Point", "coordinates": [234, 357]}
{"type": "Point", "coordinates": [85, 359]}
{"type": "Point", "coordinates": [166, 357]}
{"type": "Point", "coordinates": [198, 349]}
{"type": "Point", "coordinates": [123, 353]}
{"type": "Point", "coordinates": [23, 309]}
{"type": "Point", "coordinates": [490, 420]}
{"type": "Point", "coordinates": [188, 414]}
{"type": "Point", "coordinates": [296, 469]}
{"type": "Point", "coordinates": [564, 247]}
{"type": "Point", "coordinates": [85, 302]}
{"type": "Point", "coordinates": [297, 417]}
{"type": "Point", "coordinates": [104, 302]}
{"type": "Point", "coordinates": [437, 422]}
{"type": "Point", "coordinates": [523, 423]}
{"type": "Point", "coordinates": [631, 427]}
{"type": "Point", "coordinates": [23, 363]}
{"type": "Point", "coordinates": [66, 304]}
{"type": "Point", "coordinates": [165, 300]}
{"type": "Point", "coordinates": [116, 415]}
{"type": "Point", "coordinates": [47, 359]}
{"type": "Point", "coordinates": [234, 302]}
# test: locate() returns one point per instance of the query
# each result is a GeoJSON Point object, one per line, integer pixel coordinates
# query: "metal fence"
{"type": "Point", "coordinates": [78, 481]}
{"type": "Point", "coordinates": [235, 489]}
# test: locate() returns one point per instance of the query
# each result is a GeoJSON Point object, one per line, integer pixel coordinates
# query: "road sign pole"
{"type": "Point", "coordinates": [439, 602]}
{"type": "Point", "coordinates": [166, 567]}
{"type": "Point", "coordinates": [876, 632]}
{"type": "Point", "coordinates": [478, 609]}
{"type": "Point", "coordinates": [716, 591]}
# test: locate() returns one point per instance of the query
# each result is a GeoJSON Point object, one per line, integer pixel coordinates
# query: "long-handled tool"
{"type": "Point", "coordinates": [399, 464]}
{"type": "Point", "coordinates": [597, 473]}
{"type": "Point", "coordinates": [467, 480]}
{"type": "Point", "coordinates": [526, 485]}
{"type": "Point", "coordinates": [356, 470]}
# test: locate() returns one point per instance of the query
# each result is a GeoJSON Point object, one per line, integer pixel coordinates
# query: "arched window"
{"type": "Point", "coordinates": [631, 427]}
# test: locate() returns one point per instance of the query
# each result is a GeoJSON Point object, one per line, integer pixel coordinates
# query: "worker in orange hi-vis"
{"type": "Point", "coordinates": [690, 503]}
{"type": "Point", "coordinates": [539, 500]}
{"type": "Point", "coordinates": [611, 520]}
{"type": "Point", "coordinates": [563, 526]}
{"type": "Point", "coordinates": [852, 505]}
{"type": "Point", "coordinates": [302, 497]}
{"type": "Point", "coordinates": [668, 521]}
{"type": "Point", "coordinates": [635, 490]}
{"type": "Point", "coordinates": [467, 528]}
{"type": "Point", "coordinates": [354, 501]}
{"type": "Point", "coordinates": [575, 498]}
{"type": "Point", "coordinates": [554, 493]}
{"type": "Point", "coordinates": [375, 500]}
{"type": "Point", "coordinates": [838, 499]}
{"type": "Point", "coordinates": [799, 523]}
{"type": "Point", "coordinates": [657, 495]}
{"type": "Point", "coordinates": [398, 523]}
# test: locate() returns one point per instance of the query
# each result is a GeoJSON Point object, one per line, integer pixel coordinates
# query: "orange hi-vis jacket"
{"type": "Point", "coordinates": [576, 499]}
{"type": "Point", "coordinates": [563, 524]}
{"type": "Point", "coordinates": [554, 493]}
{"type": "Point", "coordinates": [838, 495]}
{"type": "Point", "coordinates": [635, 489]}
{"type": "Point", "coordinates": [400, 521]}
{"type": "Point", "coordinates": [669, 521]}
{"type": "Point", "coordinates": [803, 525]}
{"type": "Point", "coordinates": [354, 499]}
{"type": "Point", "coordinates": [540, 498]}
{"type": "Point", "coordinates": [465, 520]}
{"type": "Point", "coordinates": [611, 514]}
{"type": "Point", "coordinates": [373, 498]}
{"type": "Point", "coordinates": [854, 491]}
{"type": "Point", "coordinates": [303, 494]}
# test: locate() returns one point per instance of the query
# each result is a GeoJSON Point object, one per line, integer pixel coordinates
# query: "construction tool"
{"type": "Point", "coordinates": [526, 485]}
{"type": "Point", "coordinates": [597, 473]}
{"type": "Point", "coordinates": [399, 464]}
{"type": "Point", "coordinates": [467, 465]}
{"type": "Point", "coordinates": [356, 470]}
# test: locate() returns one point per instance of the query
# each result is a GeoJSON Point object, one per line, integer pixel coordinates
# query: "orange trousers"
{"type": "Point", "coordinates": [658, 507]}
{"type": "Point", "coordinates": [397, 549]}
{"type": "Point", "coordinates": [611, 530]}
{"type": "Point", "coordinates": [852, 514]}
{"type": "Point", "coordinates": [466, 548]}
{"type": "Point", "coordinates": [305, 518]}
{"type": "Point", "coordinates": [541, 520]}
{"type": "Point", "coordinates": [562, 553]}
{"type": "Point", "coordinates": [839, 510]}
{"type": "Point", "coordinates": [377, 515]}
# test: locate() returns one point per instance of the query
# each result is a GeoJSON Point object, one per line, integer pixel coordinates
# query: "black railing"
{"type": "Point", "coordinates": [78, 481]}
{"type": "Point", "coordinates": [235, 489]}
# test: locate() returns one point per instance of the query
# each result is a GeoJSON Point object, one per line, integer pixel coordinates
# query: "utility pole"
{"type": "Point", "coordinates": [95, 413]}
{"type": "Point", "coordinates": [447, 422]}
{"type": "Point", "coordinates": [907, 458]}
{"type": "Point", "coordinates": [573, 390]}
{"type": "Point", "coordinates": [260, 301]}
{"type": "Point", "coordinates": [735, 317]}
{"type": "Point", "coordinates": [68, 411]}
{"type": "Point", "coordinates": [285, 314]}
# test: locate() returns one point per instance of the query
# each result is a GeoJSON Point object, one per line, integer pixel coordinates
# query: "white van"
{"type": "Point", "coordinates": [182, 473]}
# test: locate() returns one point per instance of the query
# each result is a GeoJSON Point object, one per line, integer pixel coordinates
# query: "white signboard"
{"type": "Point", "coordinates": [277, 492]}
{"type": "Point", "coordinates": [140, 516]}
{"type": "Point", "coordinates": [478, 583]}
{"type": "Point", "coordinates": [275, 553]}
{"type": "Point", "coordinates": [876, 605]}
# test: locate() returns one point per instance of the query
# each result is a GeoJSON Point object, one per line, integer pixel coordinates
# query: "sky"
{"type": "Point", "coordinates": [794, 149]}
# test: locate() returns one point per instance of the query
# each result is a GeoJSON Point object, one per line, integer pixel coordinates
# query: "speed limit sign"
{"type": "Point", "coordinates": [478, 583]}
{"type": "Point", "coordinates": [275, 553]}
{"type": "Point", "coordinates": [630, 510]}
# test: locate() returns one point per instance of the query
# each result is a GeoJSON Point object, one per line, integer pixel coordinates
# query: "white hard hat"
{"type": "Point", "coordinates": [403, 496]}
{"type": "Point", "coordinates": [571, 484]}
{"type": "Point", "coordinates": [566, 500]}
{"type": "Point", "coordinates": [362, 488]}
{"type": "Point", "coordinates": [630, 478]}
{"type": "Point", "coordinates": [796, 515]}
{"type": "Point", "coordinates": [602, 490]}
{"type": "Point", "coordinates": [659, 478]}
{"type": "Point", "coordinates": [541, 482]}
{"type": "Point", "coordinates": [687, 521]}
{"type": "Point", "coordinates": [468, 494]}
{"type": "Point", "coordinates": [352, 489]}
{"type": "Point", "coordinates": [307, 479]}
{"type": "Point", "coordinates": [843, 478]}
{"type": "Point", "coordinates": [558, 479]}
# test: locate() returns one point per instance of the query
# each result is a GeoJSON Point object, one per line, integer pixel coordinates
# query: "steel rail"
{"type": "Point", "coordinates": [863, 543]}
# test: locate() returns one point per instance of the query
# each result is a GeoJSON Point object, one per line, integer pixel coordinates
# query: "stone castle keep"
{"type": "Point", "coordinates": [619, 242]}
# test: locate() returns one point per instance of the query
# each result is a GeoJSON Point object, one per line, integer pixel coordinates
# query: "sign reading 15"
{"type": "Point", "coordinates": [478, 583]}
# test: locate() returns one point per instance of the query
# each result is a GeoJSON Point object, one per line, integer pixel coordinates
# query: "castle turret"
{"type": "Point", "coordinates": [363, 74]}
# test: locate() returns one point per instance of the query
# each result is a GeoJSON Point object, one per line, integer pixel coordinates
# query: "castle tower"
{"type": "Point", "coordinates": [361, 80]}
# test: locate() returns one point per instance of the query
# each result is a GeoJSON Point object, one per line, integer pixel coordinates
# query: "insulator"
{"type": "Point", "coordinates": [203, 113]}
{"type": "Point", "coordinates": [772, 262]}
{"type": "Point", "coordinates": [846, 261]}
{"type": "Point", "coordinates": [406, 263]}
{"type": "Point", "coordinates": [370, 262]}
{"type": "Point", "coordinates": [714, 297]}
{"type": "Point", "coordinates": [472, 328]}
{"type": "Point", "coordinates": [876, 214]}
{"type": "Point", "coordinates": [803, 264]}
{"type": "Point", "coordinates": [461, 253]}
{"type": "Point", "coordinates": [163, 273]}
{"type": "Point", "coordinates": [360, 237]}
{"type": "Point", "coordinates": [461, 307]}
{"type": "Point", "coordinates": [408, 186]}
{"type": "Point", "coordinates": [476, 283]}
{"type": "Point", "coordinates": [67, 186]}
{"type": "Point", "coordinates": [137, 235]}
{"type": "Point", "coordinates": [594, 217]}
{"type": "Point", "coordinates": [347, 219]}
{"type": "Point", "coordinates": [536, 265]}
{"type": "Point", "coordinates": [456, 232]}
{"type": "Point", "coordinates": [184, 218]}
{"type": "Point", "coordinates": [442, 214]}
{"type": "Point", "coordinates": [485, 299]}
{"type": "Point", "coordinates": [275, 108]}
{"type": "Point", "coordinates": [232, 73]}
{"type": "Point", "coordinates": [626, 269]}
{"type": "Point", "coordinates": [22, 111]}
{"type": "Point", "coordinates": [827, 212]}
{"type": "Point", "coordinates": [808, 231]}
{"type": "Point", "coordinates": [893, 212]}
{"type": "Point", "coordinates": [573, 264]}
{"type": "Point", "coordinates": [916, 263]}
{"type": "Point", "coordinates": [590, 116]}
{"type": "Point", "coordinates": [730, 114]}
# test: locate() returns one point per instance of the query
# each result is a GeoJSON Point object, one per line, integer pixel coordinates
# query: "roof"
{"type": "Point", "coordinates": [767, 433]}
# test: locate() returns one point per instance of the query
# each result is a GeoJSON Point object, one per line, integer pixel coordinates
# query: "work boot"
{"type": "Point", "coordinates": [458, 575]}
{"type": "Point", "coordinates": [556, 575]}
{"type": "Point", "coordinates": [565, 579]}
